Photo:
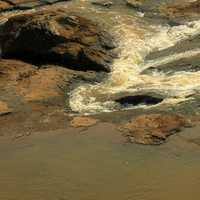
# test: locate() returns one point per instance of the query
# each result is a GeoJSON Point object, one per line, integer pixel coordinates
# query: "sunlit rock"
{"type": "Point", "coordinates": [153, 128]}
{"type": "Point", "coordinates": [83, 121]}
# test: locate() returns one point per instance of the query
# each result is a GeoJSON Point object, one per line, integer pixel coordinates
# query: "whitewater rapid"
{"type": "Point", "coordinates": [135, 42]}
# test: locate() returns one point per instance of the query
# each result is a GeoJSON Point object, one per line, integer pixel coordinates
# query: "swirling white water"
{"type": "Point", "coordinates": [136, 40]}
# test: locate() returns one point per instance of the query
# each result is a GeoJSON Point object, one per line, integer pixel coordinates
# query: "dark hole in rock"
{"type": "Point", "coordinates": [139, 99]}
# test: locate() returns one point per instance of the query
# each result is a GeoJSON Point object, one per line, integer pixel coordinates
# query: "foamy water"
{"type": "Point", "coordinates": [136, 41]}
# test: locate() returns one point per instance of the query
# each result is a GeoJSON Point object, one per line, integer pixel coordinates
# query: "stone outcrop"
{"type": "Point", "coordinates": [185, 9]}
{"type": "Point", "coordinates": [57, 37]}
{"type": "Point", "coordinates": [23, 84]}
{"type": "Point", "coordinates": [153, 128]}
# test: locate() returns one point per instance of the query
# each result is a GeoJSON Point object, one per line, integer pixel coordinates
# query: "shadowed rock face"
{"type": "Point", "coordinates": [153, 128]}
{"type": "Point", "coordinates": [102, 3]}
{"type": "Point", "coordinates": [55, 37]}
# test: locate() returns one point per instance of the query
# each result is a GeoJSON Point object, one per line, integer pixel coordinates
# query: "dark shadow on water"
{"type": "Point", "coordinates": [139, 99]}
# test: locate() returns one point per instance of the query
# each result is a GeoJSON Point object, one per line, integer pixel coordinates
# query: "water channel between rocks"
{"type": "Point", "coordinates": [138, 37]}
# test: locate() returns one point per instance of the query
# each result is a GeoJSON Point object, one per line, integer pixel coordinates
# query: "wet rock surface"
{"type": "Point", "coordinates": [183, 63]}
{"type": "Point", "coordinates": [153, 128]}
{"type": "Point", "coordinates": [56, 37]}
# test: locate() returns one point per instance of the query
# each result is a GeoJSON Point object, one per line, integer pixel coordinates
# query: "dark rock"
{"type": "Point", "coordinates": [103, 3]}
{"type": "Point", "coordinates": [57, 37]}
{"type": "Point", "coordinates": [136, 4]}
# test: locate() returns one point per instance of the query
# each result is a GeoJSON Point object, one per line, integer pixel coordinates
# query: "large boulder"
{"type": "Point", "coordinates": [57, 37]}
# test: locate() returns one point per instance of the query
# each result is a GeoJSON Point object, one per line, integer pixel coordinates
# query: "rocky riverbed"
{"type": "Point", "coordinates": [134, 64]}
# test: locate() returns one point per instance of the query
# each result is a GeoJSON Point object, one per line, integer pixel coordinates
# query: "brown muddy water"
{"type": "Point", "coordinates": [96, 164]}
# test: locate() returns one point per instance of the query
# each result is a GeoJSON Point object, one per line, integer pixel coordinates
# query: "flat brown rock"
{"type": "Point", "coordinates": [83, 122]}
{"type": "Point", "coordinates": [43, 84]}
{"type": "Point", "coordinates": [14, 70]}
{"type": "Point", "coordinates": [30, 83]}
{"type": "Point", "coordinates": [4, 109]}
{"type": "Point", "coordinates": [153, 128]}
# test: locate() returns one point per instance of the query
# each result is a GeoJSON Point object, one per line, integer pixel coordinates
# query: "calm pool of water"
{"type": "Point", "coordinates": [98, 165]}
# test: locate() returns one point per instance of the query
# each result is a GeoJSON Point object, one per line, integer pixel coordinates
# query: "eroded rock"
{"type": "Point", "coordinates": [57, 37]}
{"type": "Point", "coordinates": [183, 10]}
{"type": "Point", "coordinates": [153, 128]}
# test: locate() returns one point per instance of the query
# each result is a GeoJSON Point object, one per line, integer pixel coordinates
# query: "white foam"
{"type": "Point", "coordinates": [135, 43]}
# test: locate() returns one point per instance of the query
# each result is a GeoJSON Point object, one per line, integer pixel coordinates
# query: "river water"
{"type": "Point", "coordinates": [137, 37]}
